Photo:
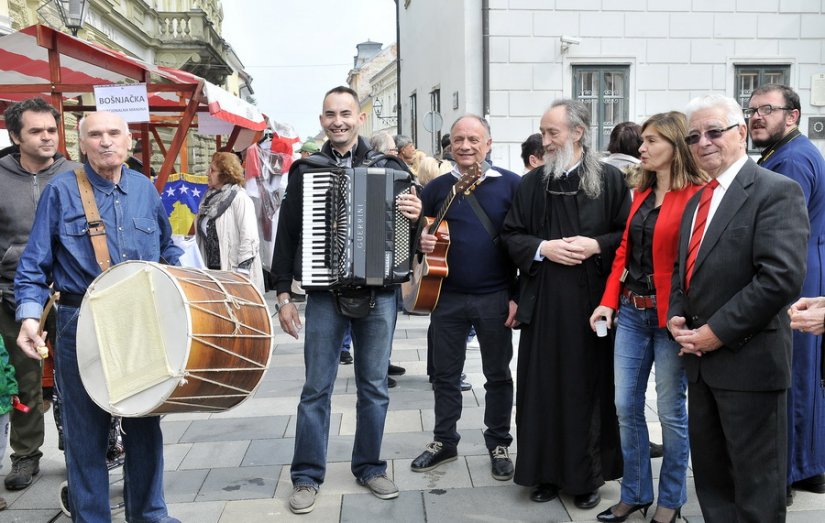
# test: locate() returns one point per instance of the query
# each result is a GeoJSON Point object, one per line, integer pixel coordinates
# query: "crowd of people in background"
{"type": "Point", "coordinates": [673, 254]}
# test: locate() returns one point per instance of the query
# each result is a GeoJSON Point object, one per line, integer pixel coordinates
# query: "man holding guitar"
{"type": "Point", "coordinates": [477, 290]}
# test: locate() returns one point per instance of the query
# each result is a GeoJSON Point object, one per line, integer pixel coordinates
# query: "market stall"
{"type": "Point", "coordinates": [39, 60]}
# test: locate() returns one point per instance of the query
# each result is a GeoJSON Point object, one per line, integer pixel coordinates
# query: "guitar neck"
{"type": "Point", "coordinates": [439, 217]}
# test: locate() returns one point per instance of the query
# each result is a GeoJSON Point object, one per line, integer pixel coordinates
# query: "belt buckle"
{"type": "Point", "coordinates": [636, 299]}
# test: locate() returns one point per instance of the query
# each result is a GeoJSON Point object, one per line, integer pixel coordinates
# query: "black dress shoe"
{"type": "Point", "coordinates": [391, 383]}
{"type": "Point", "coordinates": [395, 370]}
{"type": "Point", "coordinates": [656, 450]}
{"type": "Point", "coordinates": [434, 455]}
{"type": "Point", "coordinates": [608, 514]}
{"type": "Point", "coordinates": [589, 500]}
{"type": "Point", "coordinates": [346, 358]}
{"type": "Point", "coordinates": [544, 493]}
{"type": "Point", "coordinates": [815, 484]}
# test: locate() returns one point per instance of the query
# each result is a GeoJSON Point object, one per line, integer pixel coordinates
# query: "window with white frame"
{"type": "Point", "coordinates": [604, 90]}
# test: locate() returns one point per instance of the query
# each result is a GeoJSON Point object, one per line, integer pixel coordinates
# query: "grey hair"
{"type": "Point", "coordinates": [476, 117]}
{"type": "Point", "coordinates": [402, 141]}
{"type": "Point", "coordinates": [590, 169]}
{"type": "Point", "coordinates": [81, 126]}
{"type": "Point", "coordinates": [733, 111]}
{"type": "Point", "coordinates": [382, 142]}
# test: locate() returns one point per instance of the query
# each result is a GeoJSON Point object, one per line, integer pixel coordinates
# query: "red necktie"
{"type": "Point", "coordinates": [699, 229]}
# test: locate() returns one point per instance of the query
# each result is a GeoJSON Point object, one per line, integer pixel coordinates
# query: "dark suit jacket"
{"type": "Point", "coordinates": [750, 265]}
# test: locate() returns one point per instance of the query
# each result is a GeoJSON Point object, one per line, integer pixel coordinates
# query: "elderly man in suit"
{"type": "Point", "coordinates": [741, 261]}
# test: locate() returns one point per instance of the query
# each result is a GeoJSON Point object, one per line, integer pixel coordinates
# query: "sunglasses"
{"type": "Point", "coordinates": [763, 110]}
{"type": "Point", "coordinates": [711, 134]}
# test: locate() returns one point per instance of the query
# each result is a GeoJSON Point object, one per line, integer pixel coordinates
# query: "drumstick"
{"type": "Point", "coordinates": [43, 350]}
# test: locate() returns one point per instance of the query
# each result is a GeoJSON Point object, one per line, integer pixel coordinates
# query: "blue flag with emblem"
{"type": "Point", "coordinates": [181, 197]}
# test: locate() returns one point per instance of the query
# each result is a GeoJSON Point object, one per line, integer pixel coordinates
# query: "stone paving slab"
{"type": "Point", "coordinates": [234, 429]}
{"type": "Point", "coordinates": [490, 504]}
{"type": "Point", "coordinates": [182, 486]}
{"type": "Point", "coordinates": [239, 483]}
{"type": "Point", "coordinates": [269, 452]}
{"type": "Point", "coordinates": [452, 475]}
{"type": "Point", "coordinates": [397, 421]}
{"type": "Point", "coordinates": [217, 454]}
{"type": "Point", "coordinates": [258, 407]}
{"type": "Point", "coordinates": [202, 512]}
{"type": "Point", "coordinates": [366, 508]}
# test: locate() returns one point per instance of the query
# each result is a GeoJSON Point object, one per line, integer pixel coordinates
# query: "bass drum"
{"type": "Point", "coordinates": [155, 339]}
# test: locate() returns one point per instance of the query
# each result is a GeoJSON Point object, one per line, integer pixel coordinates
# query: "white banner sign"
{"type": "Point", "coordinates": [131, 102]}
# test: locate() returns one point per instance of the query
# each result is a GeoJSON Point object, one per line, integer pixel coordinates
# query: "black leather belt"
{"type": "Point", "coordinates": [640, 302]}
{"type": "Point", "coordinates": [70, 300]}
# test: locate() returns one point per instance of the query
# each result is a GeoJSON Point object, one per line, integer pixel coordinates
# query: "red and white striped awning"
{"type": "Point", "coordinates": [24, 61]}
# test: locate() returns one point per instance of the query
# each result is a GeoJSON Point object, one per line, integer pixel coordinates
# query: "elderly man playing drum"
{"type": "Point", "coordinates": [60, 252]}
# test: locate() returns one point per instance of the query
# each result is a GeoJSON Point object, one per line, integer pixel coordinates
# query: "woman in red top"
{"type": "Point", "coordinates": [639, 288]}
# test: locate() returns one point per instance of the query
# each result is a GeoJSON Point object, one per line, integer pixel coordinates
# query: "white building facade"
{"type": "Point", "coordinates": [626, 59]}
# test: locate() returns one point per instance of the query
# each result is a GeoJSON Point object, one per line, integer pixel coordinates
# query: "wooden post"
{"type": "Point", "coordinates": [180, 136]}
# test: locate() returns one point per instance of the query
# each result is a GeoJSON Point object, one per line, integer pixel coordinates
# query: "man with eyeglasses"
{"type": "Point", "coordinates": [773, 116]}
{"type": "Point", "coordinates": [741, 261]}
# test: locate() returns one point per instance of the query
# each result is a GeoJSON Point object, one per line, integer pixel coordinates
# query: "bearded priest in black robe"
{"type": "Point", "coordinates": [562, 231]}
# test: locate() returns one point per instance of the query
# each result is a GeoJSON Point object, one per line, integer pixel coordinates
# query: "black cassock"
{"type": "Point", "coordinates": [567, 430]}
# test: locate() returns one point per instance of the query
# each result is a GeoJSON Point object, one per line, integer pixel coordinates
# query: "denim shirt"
{"type": "Point", "coordinates": [59, 248]}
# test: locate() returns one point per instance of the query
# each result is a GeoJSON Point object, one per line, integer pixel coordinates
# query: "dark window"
{"type": "Point", "coordinates": [604, 89]}
{"type": "Point", "coordinates": [414, 118]}
{"type": "Point", "coordinates": [749, 77]}
{"type": "Point", "coordinates": [435, 106]}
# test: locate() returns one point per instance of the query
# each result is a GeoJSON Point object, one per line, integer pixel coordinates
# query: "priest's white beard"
{"type": "Point", "coordinates": [556, 163]}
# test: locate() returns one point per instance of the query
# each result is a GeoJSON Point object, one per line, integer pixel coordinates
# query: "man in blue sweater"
{"type": "Point", "coordinates": [477, 293]}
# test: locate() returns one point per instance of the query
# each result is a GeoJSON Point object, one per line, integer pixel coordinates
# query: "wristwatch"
{"type": "Point", "coordinates": [280, 305]}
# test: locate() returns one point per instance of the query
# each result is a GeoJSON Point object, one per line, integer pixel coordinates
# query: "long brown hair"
{"type": "Point", "coordinates": [672, 126]}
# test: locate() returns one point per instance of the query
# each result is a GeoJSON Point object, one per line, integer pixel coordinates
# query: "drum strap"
{"type": "Point", "coordinates": [97, 230]}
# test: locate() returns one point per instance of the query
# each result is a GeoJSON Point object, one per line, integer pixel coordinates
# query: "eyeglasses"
{"type": "Point", "coordinates": [711, 134]}
{"type": "Point", "coordinates": [763, 110]}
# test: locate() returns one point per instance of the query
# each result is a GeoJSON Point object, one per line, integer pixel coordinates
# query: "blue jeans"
{"type": "Point", "coordinates": [640, 342]}
{"type": "Point", "coordinates": [85, 435]}
{"type": "Point", "coordinates": [372, 335]}
{"type": "Point", "coordinates": [347, 343]}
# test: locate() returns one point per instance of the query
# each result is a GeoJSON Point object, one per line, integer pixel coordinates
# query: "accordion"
{"type": "Point", "coordinates": [352, 234]}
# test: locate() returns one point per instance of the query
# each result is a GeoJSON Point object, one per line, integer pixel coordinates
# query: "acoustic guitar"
{"type": "Point", "coordinates": [421, 293]}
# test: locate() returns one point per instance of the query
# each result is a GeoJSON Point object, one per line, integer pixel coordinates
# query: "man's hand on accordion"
{"type": "Point", "coordinates": [409, 204]}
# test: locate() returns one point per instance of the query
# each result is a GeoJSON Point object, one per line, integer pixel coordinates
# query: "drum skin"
{"type": "Point", "coordinates": [218, 336]}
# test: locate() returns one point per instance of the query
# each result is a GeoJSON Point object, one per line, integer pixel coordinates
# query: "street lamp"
{"type": "Point", "coordinates": [377, 107]}
{"type": "Point", "coordinates": [72, 13]}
